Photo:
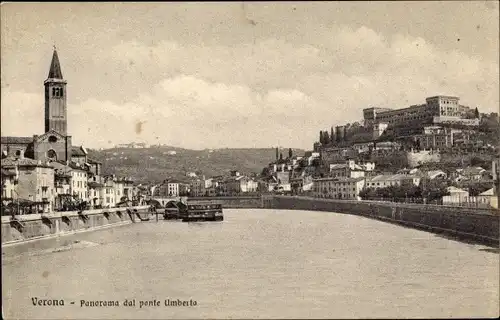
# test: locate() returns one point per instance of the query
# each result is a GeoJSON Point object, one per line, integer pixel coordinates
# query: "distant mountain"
{"type": "Point", "coordinates": [157, 163]}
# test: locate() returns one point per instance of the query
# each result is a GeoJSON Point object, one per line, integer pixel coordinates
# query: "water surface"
{"type": "Point", "coordinates": [255, 264]}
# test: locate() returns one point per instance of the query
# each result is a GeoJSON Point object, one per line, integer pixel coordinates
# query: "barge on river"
{"type": "Point", "coordinates": [194, 211]}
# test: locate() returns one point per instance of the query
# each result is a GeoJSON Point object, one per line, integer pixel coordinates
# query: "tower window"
{"type": "Point", "coordinates": [57, 92]}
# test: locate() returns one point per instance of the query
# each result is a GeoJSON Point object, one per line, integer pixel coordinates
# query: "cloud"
{"type": "Point", "coordinates": [407, 66]}
{"type": "Point", "coordinates": [183, 111]}
{"type": "Point", "coordinates": [22, 113]}
{"type": "Point", "coordinates": [256, 93]}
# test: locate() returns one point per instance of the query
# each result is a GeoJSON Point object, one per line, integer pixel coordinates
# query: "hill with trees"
{"type": "Point", "coordinates": [158, 163]}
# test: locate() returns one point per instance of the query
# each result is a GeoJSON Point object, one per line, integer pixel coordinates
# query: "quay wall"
{"type": "Point", "coordinates": [39, 226]}
{"type": "Point", "coordinates": [481, 225]}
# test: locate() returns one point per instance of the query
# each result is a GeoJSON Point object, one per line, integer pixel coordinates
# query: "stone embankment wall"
{"type": "Point", "coordinates": [233, 202]}
{"type": "Point", "coordinates": [37, 226]}
{"type": "Point", "coordinates": [481, 225]}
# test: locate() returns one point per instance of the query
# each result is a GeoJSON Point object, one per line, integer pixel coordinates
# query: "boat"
{"type": "Point", "coordinates": [203, 211]}
{"type": "Point", "coordinates": [175, 210]}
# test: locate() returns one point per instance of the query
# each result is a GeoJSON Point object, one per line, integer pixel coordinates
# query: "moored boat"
{"type": "Point", "coordinates": [203, 211]}
{"type": "Point", "coordinates": [175, 210]}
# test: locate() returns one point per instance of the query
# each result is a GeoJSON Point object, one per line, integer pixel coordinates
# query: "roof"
{"type": "Point", "coordinates": [78, 151]}
{"type": "Point", "coordinates": [16, 140]}
{"type": "Point", "coordinates": [173, 181]}
{"type": "Point", "coordinates": [62, 174]}
{"type": "Point", "coordinates": [93, 184]}
{"type": "Point", "coordinates": [453, 189]}
{"type": "Point", "coordinates": [392, 177]}
{"type": "Point", "coordinates": [8, 173]}
{"type": "Point", "coordinates": [76, 166]}
{"type": "Point", "coordinates": [340, 179]}
{"type": "Point", "coordinates": [55, 67]}
{"type": "Point", "coordinates": [435, 173]}
{"type": "Point", "coordinates": [442, 96]}
{"type": "Point", "coordinates": [93, 161]}
{"type": "Point", "coordinates": [489, 192]}
{"type": "Point", "coordinates": [22, 162]}
{"type": "Point", "coordinates": [338, 166]}
{"type": "Point", "coordinates": [473, 170]}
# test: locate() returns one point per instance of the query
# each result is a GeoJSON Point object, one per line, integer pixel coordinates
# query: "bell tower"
{"type": "Point", "coordinates": [55, 98]}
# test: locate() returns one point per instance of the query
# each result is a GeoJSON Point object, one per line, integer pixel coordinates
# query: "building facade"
{"type": "Point", "coordinates": [384, 181]}
{"type": "Point", "coordinates": [350, 169]}
{"type": "Point", "coordinates": [197, 188]}
{"type": "Point", "coordinates": [436, 110]}
{"type": "Point", "coordinates": [338, 188]}
{"type": "Point", "coordinates": [9, 183]}
{"type": "Point", "coordinates": [35, 182]}
{"type": "Point", "coordinates": [79, 180]}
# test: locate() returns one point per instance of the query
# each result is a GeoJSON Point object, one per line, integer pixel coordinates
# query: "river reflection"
{"type": "Point", "coordinates": [255, 264]}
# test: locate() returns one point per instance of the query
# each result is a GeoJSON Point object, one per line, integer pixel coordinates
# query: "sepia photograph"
{"type": "Point", "coordinates": [250, 160]}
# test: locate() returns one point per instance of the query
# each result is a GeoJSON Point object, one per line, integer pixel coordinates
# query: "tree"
{"type": "Point", "coordinates": [476, 113]}
{"type": "Point", "coordinates": [265, 172]}
{"type": "Point", "coordinates": [277, 153]}
{"type": "Point", "coordinates": [368, 193]}
{"type": "Point", "coordinates": [478, 188]}
{"type": "Point", "coordinates": [326, 138]}
{"type": "Point", "coordinates": [417, 144]}
{"type": "Point", "coordinates": [332, 135]}
{"type": "Point", "coordinates": [290, 153]}
{"type": "Point", "coordinates": [281, 156]}
{"type": "Point", "coordinates": [477, 161]}
{"type": "Point", "coordinates": [321, 137]}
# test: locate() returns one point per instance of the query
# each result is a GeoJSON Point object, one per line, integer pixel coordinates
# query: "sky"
{"type": "Point", "coordinates": [240, 74]}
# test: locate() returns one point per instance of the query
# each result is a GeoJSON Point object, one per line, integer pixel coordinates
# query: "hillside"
{"type": "Point", "coordinates": [158, 163]}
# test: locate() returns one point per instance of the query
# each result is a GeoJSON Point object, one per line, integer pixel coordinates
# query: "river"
{"type": "Point", "coordinates": [256, 264]}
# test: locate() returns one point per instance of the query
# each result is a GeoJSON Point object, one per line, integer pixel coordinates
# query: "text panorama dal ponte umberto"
{"type": "Point", "coordinates": [115, 303]}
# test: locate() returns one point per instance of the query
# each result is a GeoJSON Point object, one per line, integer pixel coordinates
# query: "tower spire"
{"type": "Point", "coordinates": [55, 98]}
{"type": "Point", "coordinates": [55, 67]}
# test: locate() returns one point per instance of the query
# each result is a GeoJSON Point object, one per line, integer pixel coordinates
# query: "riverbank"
{"type": "Point", "coordinates": [33, 227]}
{"type": "Point", "coordinates": [478, 225]}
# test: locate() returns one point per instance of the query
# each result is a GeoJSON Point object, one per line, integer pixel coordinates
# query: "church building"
{"type": "Point", "coordinates": [55, 143]}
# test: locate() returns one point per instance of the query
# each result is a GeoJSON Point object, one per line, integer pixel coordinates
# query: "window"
{"type": "Point", "coordinates": [52, 139]}
{"type": "Point", "coordinates": [57, 92]}
{"type": "Point", "coordinates": [51, 154]}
